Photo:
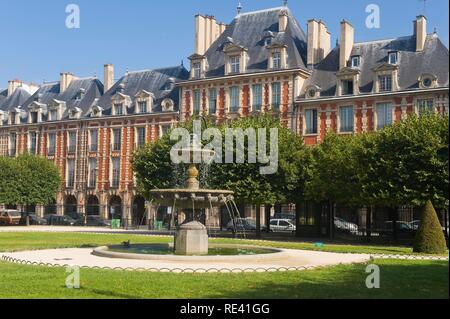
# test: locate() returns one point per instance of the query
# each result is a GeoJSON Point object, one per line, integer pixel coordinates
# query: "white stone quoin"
{"type": "Point", "coordinates": [191, 239]}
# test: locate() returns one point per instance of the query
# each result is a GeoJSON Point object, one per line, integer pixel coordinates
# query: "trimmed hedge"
{"type": "Point", "coordinates": [430, 238]}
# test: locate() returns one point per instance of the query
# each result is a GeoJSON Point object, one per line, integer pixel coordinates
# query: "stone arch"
{"type": "Point", "coordinates": [139, 211]}
{"type": "Point", "coordinates": [71, 206]}
{"type": "Point", "coordinates": [115, 207]}
{"type": "Point", "coordinates": [93, 206]}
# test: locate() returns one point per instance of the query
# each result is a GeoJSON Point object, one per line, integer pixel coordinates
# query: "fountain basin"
{"type": "Point", "coordinates": [216, 253]}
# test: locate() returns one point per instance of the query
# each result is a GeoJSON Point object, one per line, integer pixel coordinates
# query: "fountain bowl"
{"type": "Point", "coordinates": [191, 198]}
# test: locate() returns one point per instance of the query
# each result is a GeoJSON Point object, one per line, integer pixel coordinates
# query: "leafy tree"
{"type": "Point", "coordinates": [28, 180]}
{"type": "Point", "coordinates": [430, 238]}
{"type": "Point", "coordinates": [407, 163]}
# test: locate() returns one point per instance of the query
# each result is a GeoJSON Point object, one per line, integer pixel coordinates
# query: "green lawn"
{"type": "Point", "coordinates": [399, 278]}
{"type": "Point", "coordinates": [10, 242]}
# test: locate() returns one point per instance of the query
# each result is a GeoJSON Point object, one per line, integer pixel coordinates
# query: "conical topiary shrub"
{"type": "Point", "coordinates": [430, 237]}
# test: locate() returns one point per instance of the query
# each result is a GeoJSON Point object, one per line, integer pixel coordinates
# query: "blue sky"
{"type": "Point", "coordinates": [144, 34]}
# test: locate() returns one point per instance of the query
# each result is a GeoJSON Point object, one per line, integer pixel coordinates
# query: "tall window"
{"type": "Point", "coordinates": [33, 143]}
{"type": "Point", "coordinates": [53, 115]}
{"type": "Point", "coordinates": [347, 119]}
{"type": "Point", "coordinates": [197, 69]}
{"type": "Point", "coordinates": [70, 173]}
{"type": "Point", "coordinates": [311, 121]}
{"type": "Point", "coordinates": [257, 97]}
{"type": "Point", "coordinates": [276, 60]}
{"type": "Point", "coordinates": [115, 172]}
{"type": "Point", "coordinates": [72, 142]}
{"type": "Point", "coordinates": [93, 145]}
{"type": "Point", "coordinates": [393, 57]}
{"type": "Point", "coordinates": [212, 101]}
{"type": "Point", "coordinates": [356, 61]}
{"type": "Point", "coordinates": [384, 115]}
{"type": "Point", "coordinates": [197, 102]}
{"type": "Point", "coordinates": [276, 96]}
{"type": "Point", "coordinates": [347, 87]}
{"type": "Point", "coordinates": [34, 117]}
{"type": "Point", "coordinates": [142, 107]}
{"type": "Point", "coordinates": [118, 109]}
{"type": "Point", "coordinates": [385, 83]}
{"type": "Point", "coordinates": [92, 172]}
{"type": "Point", "coordinates": [140, 136]}
{"type": "Point", "coordinates": [235, 64]}
{"type": "Point", "coordinates": [13, 144]}
{"type": "Point", "coordinates": [234, 99]}
{"type": "Point", "coordinates": [425, 106]}
{"type": "Point", "coordinates": [117, 137]}
{"type": "Point", "coordinates": [51, 144]}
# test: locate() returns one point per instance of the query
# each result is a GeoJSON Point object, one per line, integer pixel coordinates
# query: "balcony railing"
{"type": "Point", "coordinates": [116, 147]}
{"type": "Point", "coordinates": [71, 149]}
{"type": "Point", "coordinates": [51, 151]}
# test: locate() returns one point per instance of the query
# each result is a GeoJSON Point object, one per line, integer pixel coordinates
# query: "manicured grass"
{"type": "Point", "coordinates": [399, 279]}
{"type": "Point", "coordinates": [10, 242]}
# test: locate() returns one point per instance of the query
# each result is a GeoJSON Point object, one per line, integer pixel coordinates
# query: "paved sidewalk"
{"type": "Point", "coordinates": [293, 260]}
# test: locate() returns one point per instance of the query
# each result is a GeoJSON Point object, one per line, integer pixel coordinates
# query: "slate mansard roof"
{"type": "Point", "coordinates": [411, 65]}
{"type": "Point", "coordinates": [152, 81]}
{"type": "Point", "coordinates": [249, 30]}
{"type": "Point", "coordinates": [7, 103]}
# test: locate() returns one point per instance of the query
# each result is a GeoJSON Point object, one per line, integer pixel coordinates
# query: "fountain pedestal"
{"type": "Point", "coordinates": [191, 239]}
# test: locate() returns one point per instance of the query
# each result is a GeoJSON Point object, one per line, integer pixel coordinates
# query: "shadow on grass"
{"type": "Point", "coordinates": [428, 280]}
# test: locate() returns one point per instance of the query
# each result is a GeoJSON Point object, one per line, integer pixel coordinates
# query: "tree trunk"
{"type": "Point", "coordinates": [267, 215]}
{"type": "Point", "coordinates": [332, 213]}
{"type": "Point", "coordinates": [258, 222]}
{"type": "Point", "coordinates": [298, 212]}
{"type": "Point", "coordinates": [369, 223]}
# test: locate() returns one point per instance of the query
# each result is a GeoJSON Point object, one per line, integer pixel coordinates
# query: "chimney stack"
{"type": "Point", "coordinates": [13, 85]}
{"type": "Point", "coordinates": [347, 42]}
{"type": "Point", "coordinates": [283, 20]}
{"type": "Point", "coordinates": [319, 42]}
{"type": "Point", "coordinates": [108, 77]}
{"type": "Point", "coordinates": [420, 31]}
{"type": "Point", "coordinates": [207, 30]}
{"type": "Point", "coordinates": [65, 79]}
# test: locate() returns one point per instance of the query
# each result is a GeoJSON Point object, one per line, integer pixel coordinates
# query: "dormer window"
{"type": "Point", "coordinates": [276, 60]}
{"type": "Point", "coordinates": [97, 111]}
{"type": "Point", "coordinates": [144, 102]}
{"type": "Point", "coordinates": [53, 115]}
{"type": "Point", "coordinates": [355, 62]}
{"type": "Point", "coordinates": [167, 105]}
{"type": "Point", "coordinates": [75, 113]}
{"type": "Point", "coordinates": [427, 81]}
{"type": "Point", "coordinates": [142, 107]}
{"type": "Point", "coordinates": [170, 85]}
{"type": "Point", "coordinates": [385, 83]}
{"type": "Point", "coordinates": [197, 69]}
{"type": "Point", "coordinates": [118, 109]}
{"type": "Point", "coordinates": [235, 64]}
{"type": "Point", "coordinates": [268, 41]}
{"type": "Point", "coordinates": [35, 113]}
{"type": "Point", "coordinates": [347, 87]}
{"type": "Point", "coordinates": [80, 95]}
{"type": "Point", "coordinates": [393, 58]}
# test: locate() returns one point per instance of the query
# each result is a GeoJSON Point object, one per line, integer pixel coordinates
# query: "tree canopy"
{"type": "Point", "coordinates": [28, 180]}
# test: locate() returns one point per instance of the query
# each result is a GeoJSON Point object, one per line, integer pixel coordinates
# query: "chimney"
{"type": "Point", "coordinates": [13, 85]}
{"type": "Point", "coordinates": [319, 42]}
{"type": "Point", "coordinates": [108, 77]}
{"type": "Point", "coordinates": [420, 31]}
{"type": "Point", "coordinates": [283, 19]}
{"type": "Point", "coordinates": [66, 79]}
{"type": "Point", "coordinates": [347, 42]}
{"type": "Point", "coordinates": [207, 30]}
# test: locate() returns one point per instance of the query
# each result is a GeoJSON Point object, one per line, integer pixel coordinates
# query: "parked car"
{"type": "Point", "coordinates": [403, 229]}
{"type": "Point", "coordinates": [282, 226]}
{"type": "Point", "coordinates": [416, 224]}
{"type": "Point", "coordinates": [243, 224]}
{"type": "Point", "coordinates": [10, 217]}
{"type": "Point", "coordinates": [345, 226]}
{"type": "Point", "coordinates": [55, 220]}
{"type": "Point", "coordinates": [34, 219]}
{"type": "Point", "coordinates": [287, 216]}
{"type": "Point", "coordinates": [93, 221]}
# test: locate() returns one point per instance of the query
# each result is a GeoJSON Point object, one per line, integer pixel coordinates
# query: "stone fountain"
{"type": "Point", "coordinates": [192, 236]}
